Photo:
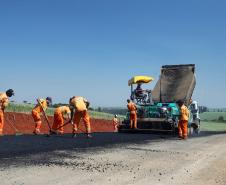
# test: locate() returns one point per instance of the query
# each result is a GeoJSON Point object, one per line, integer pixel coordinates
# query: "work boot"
{"type": "Point", "coordinates": [180, 137]}
{"type": "Point", "coordinates": [51, 132]}
{"type": "Point", "coordinates": [35, 132]}
{"type": "Point", "coordinates": [1, 134]}
{"type": "Point", "coordinates": [74, 135]}
{"type": "Point", "coordinates": [89, 136]}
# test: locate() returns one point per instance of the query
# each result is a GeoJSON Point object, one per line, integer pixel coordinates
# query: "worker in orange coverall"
{"type": "Point", "coordinates": [183, 120]}
{"type": "Point", "coordinates": [3, 104]}
{"type": "Point", "coordinates": [115, 123]}
{"type": "Point", "coordinates": [37, 110]}
{"type": "Point", "coordinates": [60, 113]}
{"type": "Point", "coordinates": [133, 114]}
{"type": "Point", "coordinates": [79, 109]}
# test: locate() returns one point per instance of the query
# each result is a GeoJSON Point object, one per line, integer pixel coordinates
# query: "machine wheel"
{"type": "Point", "coordinates": [196, 127]}
{"type": "Point", "coordinates": [175, 130]}
{"type": "Point", "coordinates": [190, 131]}
{"type": "Point", "coordinates": [197, 131]}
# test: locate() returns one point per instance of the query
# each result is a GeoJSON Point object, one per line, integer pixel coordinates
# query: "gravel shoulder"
{"type": "Point", "coordinates": [112, 158]}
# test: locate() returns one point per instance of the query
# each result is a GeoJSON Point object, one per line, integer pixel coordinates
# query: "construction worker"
{"type": "Point", "coordinates": [79, 109]}
{"type": "Point", "coordinates": [183, 120]}
{"type": "Point", "coordinates": [194, 108]}
{"type": "Point", "coordinates": [133, 114]}
{"type": "Point", "coordinates": [115, 123]}
{"type": "Point", "coordinates": [37, 110]}
{"type": "Point", "coordinates": [60, 114]}
{"type": "Point", "coordinates": [195, 119]}
{"type": "Point", "coordinates": [4, 100]}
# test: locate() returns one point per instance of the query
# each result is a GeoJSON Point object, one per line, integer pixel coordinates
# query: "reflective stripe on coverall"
{"type": "Point", "coordinates": [79, 103]}
{"type": "Point", "coordinates": [183, 122]}
{"type": "Point", "coordinates": [36, 114]}
{"type": "Point", "coordinates": [133, 115]}
{"type": "Point", "coordinates": [115, 124]}
{"type": "Point", "coordinates": [3, 104]}
{"type": "Point", "coordinates": [132, 109]}
{"type": "Point", "coordinates": [59, 118]}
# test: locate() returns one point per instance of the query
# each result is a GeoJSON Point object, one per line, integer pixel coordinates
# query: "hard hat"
{"type": "Point", "coordinates": [10, 92]}
{"type": "Point", "coordinates": [180, 102]}
{"type": "Point", "coordinates": [116, 115]}
{"type": "Point", "coordinates": [49, 99]}
{"type": "Point", "coordinates": [87, 104]}
{"type": "Point", "coordinates": [71, 99]}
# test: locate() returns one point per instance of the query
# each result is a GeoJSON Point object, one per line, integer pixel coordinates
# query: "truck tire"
{"type": "Point", "coordinates": [190, 131]}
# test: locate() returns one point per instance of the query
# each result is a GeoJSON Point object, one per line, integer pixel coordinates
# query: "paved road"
{"type": "Point", "coordinates": [112, 158]}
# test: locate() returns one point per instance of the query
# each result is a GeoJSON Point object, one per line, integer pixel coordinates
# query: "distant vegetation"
{"type": "Point", "coordinates": [27, 108]}
{"type": "Point", "coordinates": [112, 110]}
{"type": "Point", "coordinates": [214, 116]}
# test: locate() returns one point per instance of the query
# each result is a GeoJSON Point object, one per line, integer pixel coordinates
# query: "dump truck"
{"type": "Point", "coordinates": [157, 110]}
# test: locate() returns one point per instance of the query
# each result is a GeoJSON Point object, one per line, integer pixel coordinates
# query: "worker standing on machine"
{"type": "Point", "coordinates": [133, 114]}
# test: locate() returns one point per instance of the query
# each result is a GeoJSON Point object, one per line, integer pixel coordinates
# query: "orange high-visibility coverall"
{"type": "Point", "coordinates": [133, 115]}
{"type": "Point", "coordinates": [183, 122]}
{"type": "Point", "coordinates": [3, 104]}
{"type": "Point", "coordinates": [79, 103]}
{"type": "Point", "coordinates": [115, 124]}
{"type": "Point", "coordinates": [36, 111]}
{"type": "Point", "coordinates": [59, 114]}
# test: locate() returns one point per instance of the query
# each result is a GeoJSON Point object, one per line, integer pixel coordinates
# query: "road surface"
{"type": "Point", "coordinates": [113, 159]}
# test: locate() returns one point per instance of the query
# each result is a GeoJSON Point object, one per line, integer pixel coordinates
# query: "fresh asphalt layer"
{"type": "Point", "coordinates": [13, 146]}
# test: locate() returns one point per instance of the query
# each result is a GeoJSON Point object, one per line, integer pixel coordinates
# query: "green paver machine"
{"type": "Point", "coordinates": [157, 109]}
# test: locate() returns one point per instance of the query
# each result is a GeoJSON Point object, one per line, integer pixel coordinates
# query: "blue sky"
{"type": "Point", "coordinates": [91, 48]}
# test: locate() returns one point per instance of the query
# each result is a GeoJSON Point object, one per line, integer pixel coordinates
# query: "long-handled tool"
{"type": "Point", "coordinates": [46, 118]}
{"type": "Point", "coordinates": [17, 132]}
{"type": "Point", "coordinates": [48, 135]}
{"type": "Point", "coordinates": [64, 125]}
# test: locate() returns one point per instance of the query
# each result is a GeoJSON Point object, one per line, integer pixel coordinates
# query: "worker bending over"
{"type": "Point", "coordinates": [4, 100]}
{"type": "Point", "coordinates": [133, 114]}
{"type": "Point", "coordinates": [79, 109]}
{"type": "Point", "coordinates": [60, 114]}
{"type": "Point", "coordinates": [183, 120]}
{"type": "Point", "coordinates": [41, 106]}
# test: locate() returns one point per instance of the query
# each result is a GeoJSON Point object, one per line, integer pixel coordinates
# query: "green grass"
{"type": "Point", "coordinates": [213, 126]}
{"type": "Point", "coordinates": [103, 115]}
{"type": "Point", "coordinates": [27, 108]}
{"type": "Point", "coordinates": [211, 116]}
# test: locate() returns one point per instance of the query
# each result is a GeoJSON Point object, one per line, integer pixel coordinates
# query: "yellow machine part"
{"type": "Point", "coordinates": [140, 79]}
